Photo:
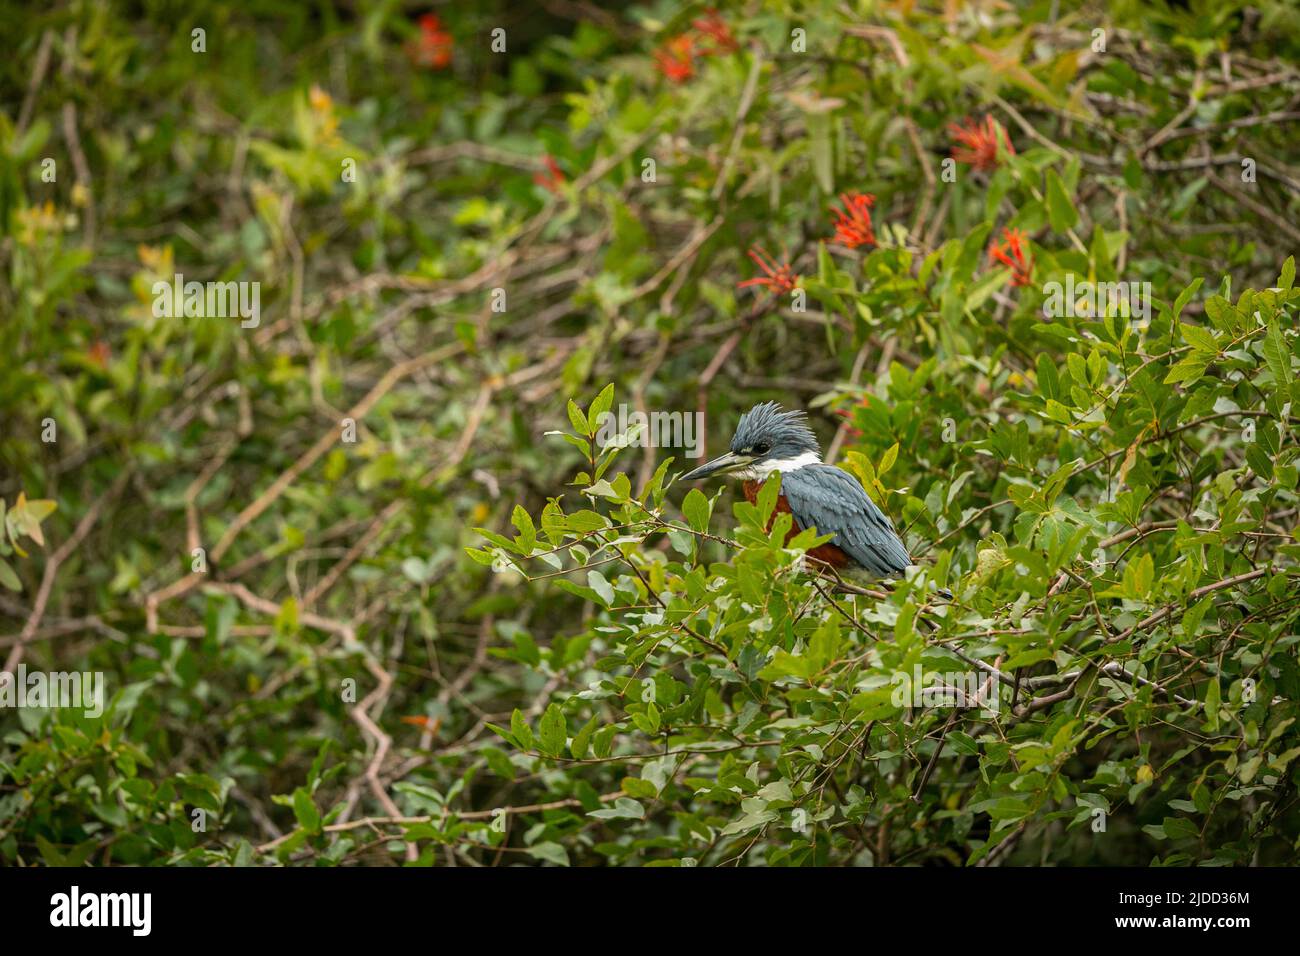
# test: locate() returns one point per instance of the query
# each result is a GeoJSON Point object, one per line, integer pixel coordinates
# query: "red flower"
{"type": "Point", "coordinates": [99, 353]}
{"type": "Point", "coordinates": [1011, 253]}
{"type": "Point", "coordinates": [853, 225]}
{"type": "Point", "coordinates": [777, 278]}
{"type": "Point", "coordinates": [553, 177]}
{"type": "Point", "coordinates": [433, 48]}
{"type": "Point", "coordinates": [676, 58]}
{"type": "Point", "coordinates": [431, 724]}
{"type": "Point", "coordinates": [978, 143]}
{"type": "Point", "coordinates": [715, 28]}
{"type": "Point", "coordinates": [848, 417]}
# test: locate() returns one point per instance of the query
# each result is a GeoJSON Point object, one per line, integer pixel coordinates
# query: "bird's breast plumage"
{"type": "Point", "coordinates": [829, 553]}
{"type": "Point", "coordinates": [831, 500]}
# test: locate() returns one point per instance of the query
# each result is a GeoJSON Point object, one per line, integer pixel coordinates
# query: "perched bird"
{"type": "Point", "coordinates": [817, 495]}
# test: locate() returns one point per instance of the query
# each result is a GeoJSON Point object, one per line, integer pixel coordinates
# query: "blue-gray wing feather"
{"type": "Point", "coordinates": [833, 501]}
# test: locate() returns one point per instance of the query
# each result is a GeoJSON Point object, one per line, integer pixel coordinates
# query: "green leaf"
{"type": "Point", "coordinates": [1199, 338]}
{"type": "Point", "coordinates": [1058, 412]}
{"type": "Point", "coordinates": [582, 739]}
{"type": "Point", "coordinates": [522, 520]}
{"type": "Point", "coordinates": [1222, 313]}
{"type": "Point", "coordinates": [520, 730]}
{"type": "Point", "coordinates": [604, 401]}
{"type": "Point", "coordinates": [1212, 701]}
{"type": "Point", "coordinates": [49, 852]}
{"type": "Point", "coordinates": [767, 496]}
{"type": "Point", "coordinates": [38, 509]}
{"type": "Point", "coordinates": [1139, 575]}
{"type": "Point", "coordinates": [550, 852]}
{"type": "Point", "coordinates": [648, 721]}
{"type": "Point", "coordinates": [887, 460]}
{"type": "Point", "coordinates": [1078, 367]}
{"type": "Point", "coordinates": [304, 809]}
{"type": "Point", "coordinates": [1278, 358]}
{"type": "Point", "coordinates": [697, 510]}
{"type": "Point", "coordinates": [552, 731]}
{"type": "Point", "coordinates": [499, 762]}
{"type": "Point", "coordinates": [1061, 213]}
{"type": "Point", "coordinates": [9, 577]}
{"type": "Point", "coordinates": [602, 741]}
{"type": "Point", "coordinates": [624, 808]}
{"type": "Point", "coordinates": [579, 420]}
{"type": "Point", "coordinates": [1189, 369]}
{"type": "Point", "coordinates": [1048, 377]}
{"type": "Point", "coordinates": [982, 289]}
{"type": "Point", "coordinates": [596, 581]}
{"type": "Point", "coordinates": [286, 621]}
{"type": "Point", "coordinates": [585, 520]}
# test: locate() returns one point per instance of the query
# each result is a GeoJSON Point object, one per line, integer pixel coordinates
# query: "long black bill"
{"type": "Point", "coordinates": [720, 465]}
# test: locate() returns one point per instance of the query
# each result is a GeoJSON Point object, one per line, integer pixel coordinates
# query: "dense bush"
{"type": "Point", "coordinates": [356, 597]}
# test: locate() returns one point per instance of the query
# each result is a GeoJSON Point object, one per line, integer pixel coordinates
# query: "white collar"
{"type": "Point", "coordinates": [759, 471]}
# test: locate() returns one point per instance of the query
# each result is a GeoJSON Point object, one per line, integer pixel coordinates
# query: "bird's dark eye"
{"type": "Point", "coordinates": [762, 448]}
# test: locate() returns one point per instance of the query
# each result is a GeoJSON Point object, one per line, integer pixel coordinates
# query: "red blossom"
{"type": "Point", "coordinates": [847, 415]}
{"type": "Point", "coordinates": [853, 224]}
{"type": "Point", "coordinates": [431, 724]}
{"type": "Point", "coordinates": [676, 58]}
{"type": "Point", "coordinates": [433, 48]}
{"type": "Point", "coordinates": [977, 143]}
{"type": "Point", "coordinates": [715, 28]}
{"type": "Point", "coordinates": [777, 278]}
{"type": "Point", "coordinates": [1011, 253]}
{"type": "Point", "coordinates": [99, 353]}
{"type": "Point", "coordinates": [552, 178]}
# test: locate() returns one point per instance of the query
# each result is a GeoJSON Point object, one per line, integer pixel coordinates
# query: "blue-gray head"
{"type": "Point", "coordinates": [767, 439]}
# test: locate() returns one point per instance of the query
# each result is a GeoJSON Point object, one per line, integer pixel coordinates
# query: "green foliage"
{"type": "Point", "coordinates": [22, 520]}
{"type": "Point", "coordinates": [1108, 607]}
{"type": "Point", "coordinates": [479, 632]}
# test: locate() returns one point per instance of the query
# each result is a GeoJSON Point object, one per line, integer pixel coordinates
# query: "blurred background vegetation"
{"type": "Point", "coordinates": [452, 240]}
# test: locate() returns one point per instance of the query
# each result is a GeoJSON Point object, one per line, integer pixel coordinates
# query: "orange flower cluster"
{"type": "Point", "coordinates": [676, 58]}
{"type": "Point", "coordinates": [712, 37]}
{"type": "Point", "coordinates": [433, 48]}
{"type": "Point", "coordinates": [847, 415]}
{"type": "Point", "coordinates": [853, 228]}
{"type": "Point", "coordinates": [552, 178]}
{"type": "Point", "coordinates": [1010, 252]}
{"type": "Point", "coordinates": [853, 224]}
{"type": "Point", "coordinates": [712, 25]}
{"type": "Point", "coordinates": [977, 143]}
{"type": "Point", "coordinates": [776, 278]}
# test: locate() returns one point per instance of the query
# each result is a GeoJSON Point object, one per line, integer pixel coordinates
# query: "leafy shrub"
{"type": "Point", "coordinates": [265, 535]}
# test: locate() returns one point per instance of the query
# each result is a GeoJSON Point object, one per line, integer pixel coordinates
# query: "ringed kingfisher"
{"type": "Point", "coordinates": [817, 495]}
